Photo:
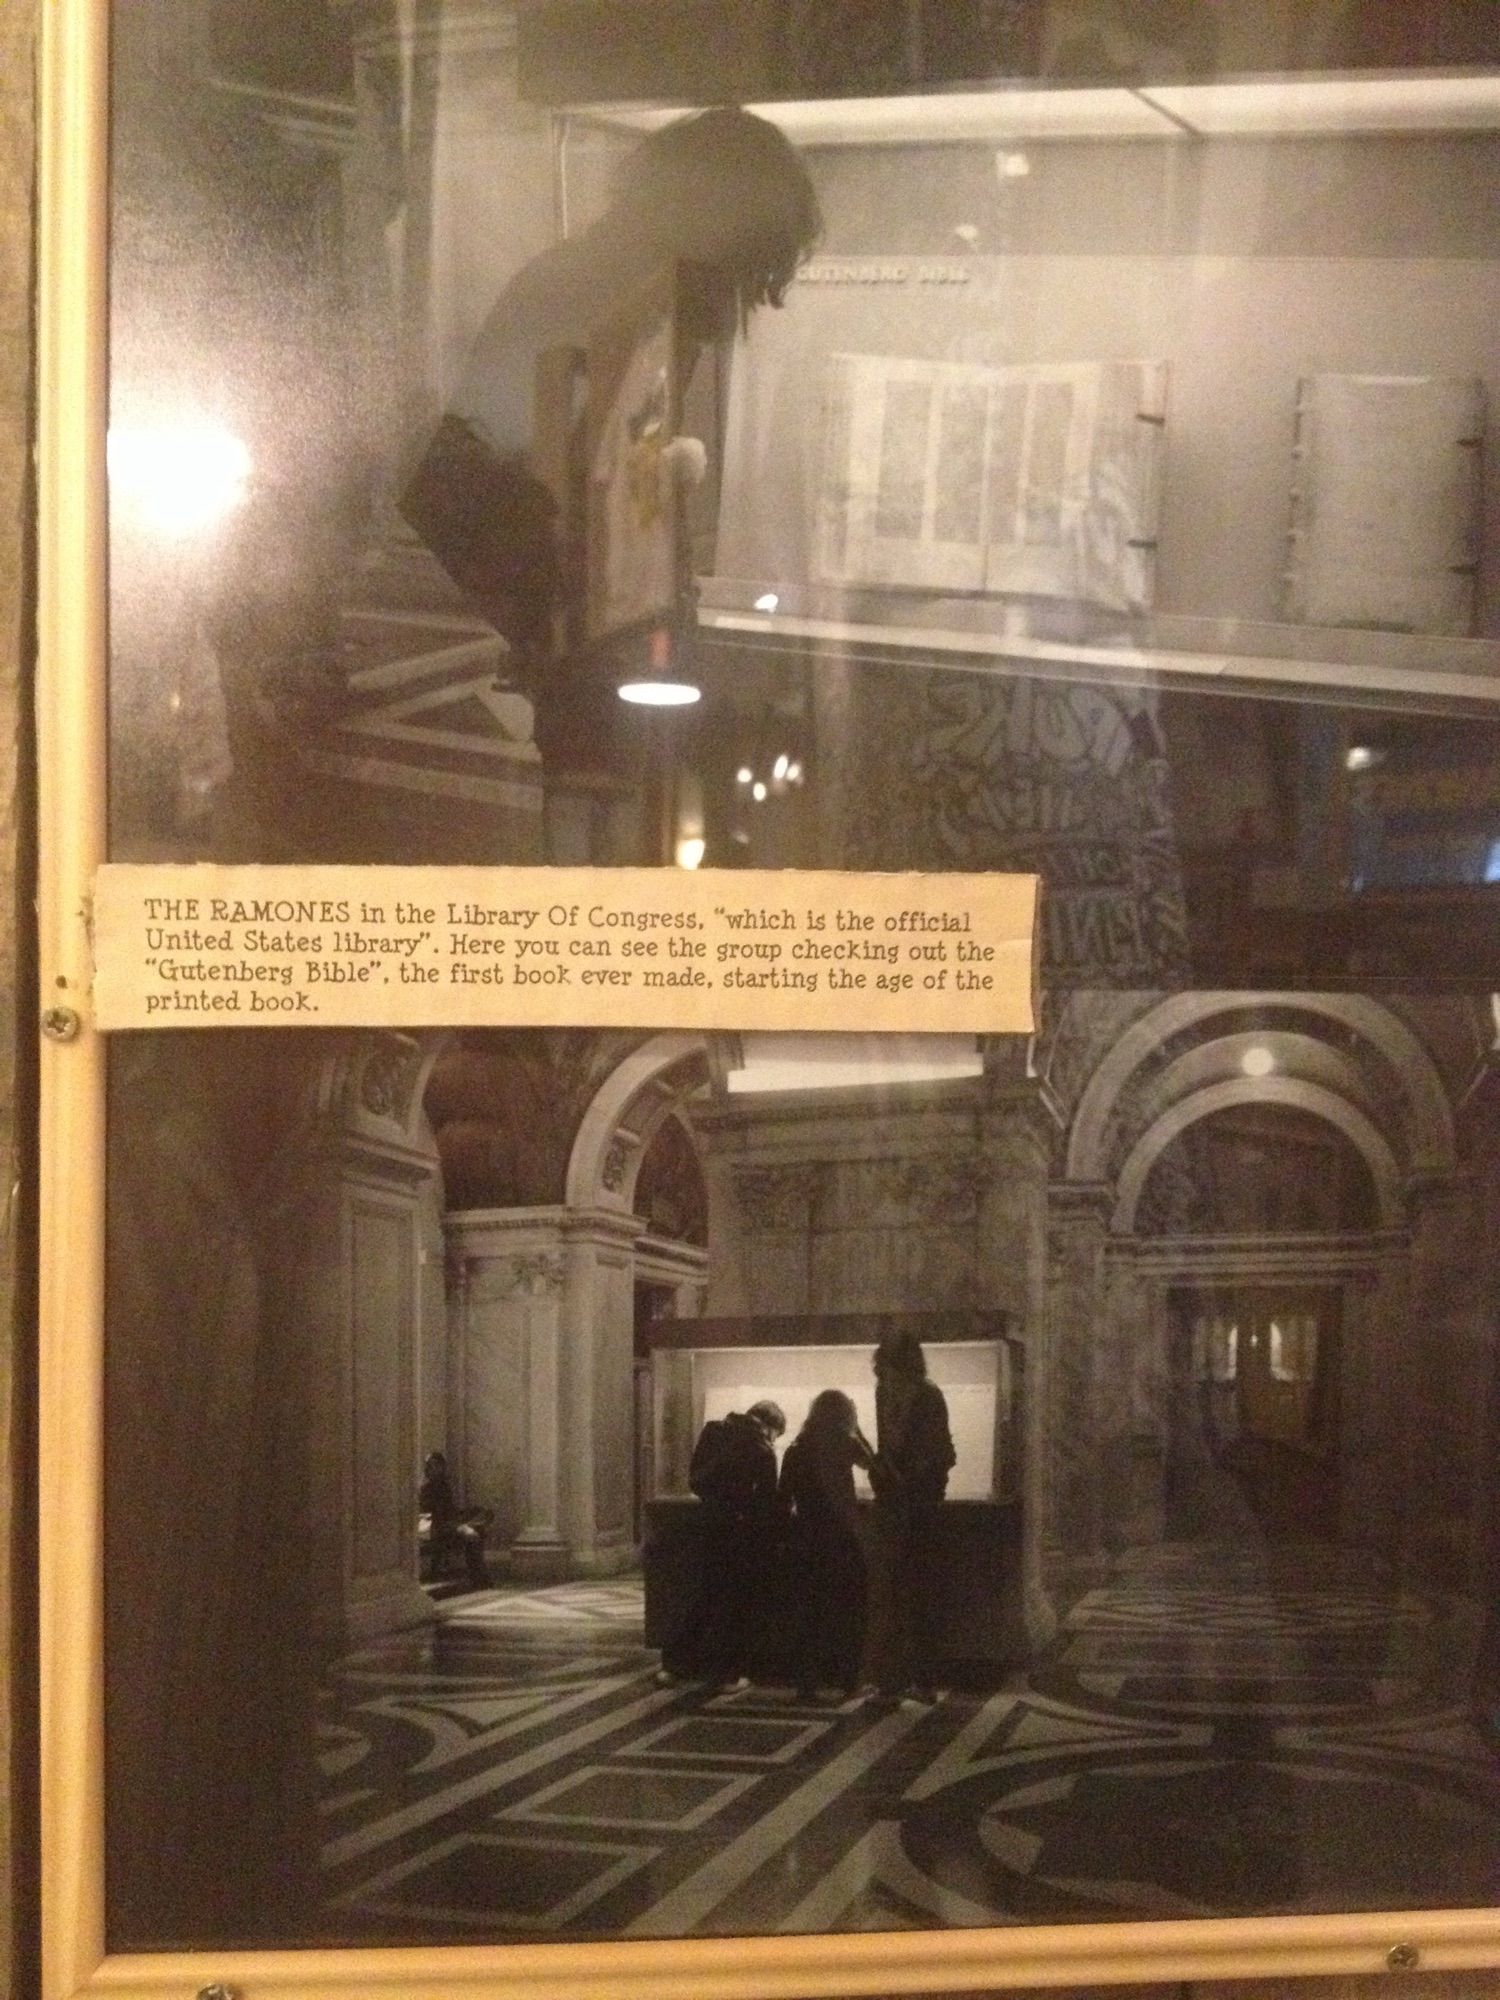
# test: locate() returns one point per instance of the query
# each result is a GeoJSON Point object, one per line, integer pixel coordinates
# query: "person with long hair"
{"type": "Point", "coordinates": [722, 200]}
{"type": "Point", "coordinates": [817, 1493]}
{"type": "Point", "coordinates": [914, 1455]}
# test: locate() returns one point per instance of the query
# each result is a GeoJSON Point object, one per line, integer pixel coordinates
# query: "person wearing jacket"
{"type": "Point", "coordinates": [913, 1458]}
{"type": "Point", "coordinates": [733, 1473]}
{"type": "Point", "coordinates": [823, 1546]}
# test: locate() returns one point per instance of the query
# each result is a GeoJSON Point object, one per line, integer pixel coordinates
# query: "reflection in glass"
{"type": "Point", "coordinates": [1098, 497]}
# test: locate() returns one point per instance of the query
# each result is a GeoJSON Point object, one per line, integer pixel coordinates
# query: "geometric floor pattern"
{"type": "Point", "coordinates": [1216, 1732]}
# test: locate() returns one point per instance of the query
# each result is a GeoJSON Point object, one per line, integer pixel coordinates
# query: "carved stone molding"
{"type": "Point", "coordinates": [616, 1164]}
{"type": "Point", "coordinates": [531, 1274]}
{"type": "Point", "coordinates": [934, 1190]}
{"type": "Point", "coordinates": [388, 1074]}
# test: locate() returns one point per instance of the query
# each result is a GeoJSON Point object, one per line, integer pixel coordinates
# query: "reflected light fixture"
{"type": "Point", "coordinates": [659, 694]}
{"type": "Point", "coordinates": [691, 848]}
{"type": "Point", "coordinates": [180, 476]}
{"type": "Point", "coordinates": [1257, 1060]}
{"type": "Point", "coordinates": [659, 686]}
{"type": "Point", "coordinates": [1362, 757]}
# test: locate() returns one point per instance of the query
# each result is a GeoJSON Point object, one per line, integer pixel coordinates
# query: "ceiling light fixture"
{"type": "Point", "coordinates": [660, 686]}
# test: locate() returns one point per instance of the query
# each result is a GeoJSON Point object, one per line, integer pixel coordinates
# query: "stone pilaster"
{"type": "Point", "coordinates": [507, 1310]}
{"type": "Point", "coordinates": [366, 1187]}
{"type": "Point", "coordinates": [1069, 1400]}
{"type": "Point", "coordinates": [1446, 1375]}
{"type": "Point", "coordinates": [598, 1390]}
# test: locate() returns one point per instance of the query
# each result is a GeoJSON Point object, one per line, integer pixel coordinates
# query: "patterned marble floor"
{"type": "Point", "coordinates": [1216, 1732]}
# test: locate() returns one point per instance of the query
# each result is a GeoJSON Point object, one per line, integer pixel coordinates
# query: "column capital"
{"type": "Point", "coordinates": [1080, 1202]}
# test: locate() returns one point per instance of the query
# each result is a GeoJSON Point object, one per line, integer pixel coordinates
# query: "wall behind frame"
{"type": "Point", "coordinates": [18, 1919]}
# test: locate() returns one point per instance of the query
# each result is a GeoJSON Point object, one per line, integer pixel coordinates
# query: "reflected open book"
{"type": "Point", "coordinates": [1040, 481]}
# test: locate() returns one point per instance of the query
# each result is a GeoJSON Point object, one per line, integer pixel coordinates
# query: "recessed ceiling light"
{"type": "Point", "coordinates": [1257, 1060]}
{"type": "Point", "coordinates": [660, 694]}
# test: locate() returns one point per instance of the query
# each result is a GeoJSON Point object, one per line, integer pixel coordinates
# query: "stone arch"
{"type": "Point", "coordinates": [1432, 1146]}
{"type": "Point", "coordinates": [1322, 1102]}
{"type": "Point", "coordinates": [650, 1085]}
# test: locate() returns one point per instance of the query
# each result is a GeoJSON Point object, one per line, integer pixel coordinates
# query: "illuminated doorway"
{"type": "Point", "coordinates": [1255, 1372]}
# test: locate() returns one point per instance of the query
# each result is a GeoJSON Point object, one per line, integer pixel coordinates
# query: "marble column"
{"type": "Point", "coordinates": [1012, 1261]}
{"type": "Point", "coordinates": [597, 1390]}
{"type": "Point", "coordinates": [1447, 1375]}
{"type": "Point", "coordinates": [1070, 1421]}
{"type": "Point", "coordinates": [1372, 1398]}
{"type": "Point", "coordinates": [505, 1337]}
{"type": "Point", "coordinates": [543, 1338]}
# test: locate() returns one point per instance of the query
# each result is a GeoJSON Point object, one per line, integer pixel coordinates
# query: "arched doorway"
{"type": "Point", "coordinates": [1261, 1199]}
{"type": "Point", "coordinates": [574, 1206]}
{"type": "Point", "coordinates": [1254, 1186]}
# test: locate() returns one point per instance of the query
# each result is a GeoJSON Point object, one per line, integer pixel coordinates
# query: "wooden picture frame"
{"type": "Point", "coordinates": [72, 765]}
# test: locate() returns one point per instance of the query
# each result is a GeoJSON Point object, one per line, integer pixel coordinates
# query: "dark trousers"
{"type": "Point", "coordinates": [906, 1545]}
{"type": "Point", "coordinates": [722, 1636]}
{"type": "Point", "coordinates": [827, 1593]}
{"type": "Point", "coordinates": [466, 1541]}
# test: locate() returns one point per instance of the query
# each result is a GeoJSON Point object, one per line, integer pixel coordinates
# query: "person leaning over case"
{"type": "Point", "coordinates": [733, 1473]}
{"type": "Point", "coordinates": [913, 1457]}
{"type": "Point", "coordinates": [723, 197]}
{"type": "Point", "coordinates": [828, 1564]}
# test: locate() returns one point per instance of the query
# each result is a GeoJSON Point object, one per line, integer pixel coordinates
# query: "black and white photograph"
{"type": "Point", "coordinates": [571, 1484]}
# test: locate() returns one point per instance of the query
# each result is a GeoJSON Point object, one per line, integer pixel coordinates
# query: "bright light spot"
{"type": "Point", "coordinates": [758, 791]}
{"type": "Point", "coordinates": [767, 603]}
{"type": "Point", "coordinates": [690, 851]}
{"type": "Point", "coordinates": [1257, 1061]}
{"type": "Point", "coordinates": [1492, 863]}
{"type": "Point", "coordinates": [1362, 757]}
{"type": "Point", "coordinates": [794, 774]}
{"type": "Point", "coordinates": [660, 694]}
{"type": "Point", "coordinates": [779, 768]}
{"type": "Point", "coordinates": [797, 1061]}
{"type": "Point", "coordinates": [966, 232]}
{"type": "Point", "coordinates": [1012, 166]}
{"type": "Point", "coordinates": [182, 477]}
{"type": "Point", "coordinates": [743, 775]}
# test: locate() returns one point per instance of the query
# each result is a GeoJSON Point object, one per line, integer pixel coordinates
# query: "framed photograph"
{"type": "Point", "coordinates": [825, 1485]}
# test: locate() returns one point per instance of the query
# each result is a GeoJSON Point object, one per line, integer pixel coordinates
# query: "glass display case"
{"type": "Point", "coordinates": [800, 435]}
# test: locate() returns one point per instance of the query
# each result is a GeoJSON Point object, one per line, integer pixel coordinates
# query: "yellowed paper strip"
{"type": "Point", "coordinates": [347, 947]}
